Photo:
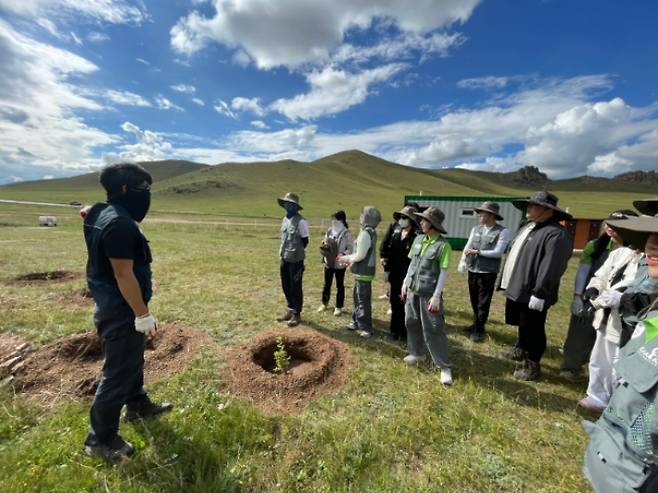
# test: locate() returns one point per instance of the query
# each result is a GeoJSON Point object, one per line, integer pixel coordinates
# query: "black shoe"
{"type": "Point", "coordinates": [531, 371]}
{"type": "Point", "coordinates": [515, 353]}
{"type": "Point", "coordinates": [294, 320]}
{"type": "Point", "coordinates": [114, 451]}
{"type": "Point", "coordinates": [477, 337]}
{"type": "Point", "coordinates": [468, 328]}
{"type": "Point", "coordinates": [146, 409]}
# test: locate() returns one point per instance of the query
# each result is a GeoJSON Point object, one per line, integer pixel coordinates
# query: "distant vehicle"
{"type": "Point", "coordinates": [75, 202]}
{"type": "Point", "coordinates": [47, 221]}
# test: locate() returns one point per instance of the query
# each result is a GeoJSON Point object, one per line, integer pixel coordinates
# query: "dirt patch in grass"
{"type": "Point", "coordinates": [71, 367]}
{"type": "Point", "coordinates": [79, 297]}
{"type": "Point", "coordinates": [48, 276]}
{"type": "Point", "coordinates": [318, 364]}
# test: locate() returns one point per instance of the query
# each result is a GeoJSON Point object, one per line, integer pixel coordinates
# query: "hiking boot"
{"type": "Point", "coordinates": [364, 333]}
{"type": "Point", "coordinates": [284, 317]}
{"type": "Point", "coordinates": [590, 405]}
{"type": "Point", "coordinates": [446, 376]}
{"type": "Point", "coordinates": [322, 308]}
{"type": "Point", "coordinates": [146, 409]}
{"type": "Point", "coordinates": [529, 372]}
{"type": "Point", "coordinates": [338, 312]}
{"type": "Point", "coordinates": [294, 321]}
{"type": "Point", "coordinates": [515, 353]}
{"type": "Point", "coordinates": [468, 328]}
{"type": "Point", "coordinates": [114, 451]}
{"type": "Point", "coordinates": [477, 337]}
{"type": "Point", "coordinates": [411, 360]}
{"type": "Point", "coordinates": [351, 326]}
{"type": "Point", "coordinates": [571, 375]}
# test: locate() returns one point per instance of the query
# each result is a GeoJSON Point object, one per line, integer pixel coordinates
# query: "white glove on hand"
{"type": "Point", "coordinates": [577, 307]}
{"type": "Point", "coordinates": [146, 324]}
{"type": "Point", "coordinates": [536, 304]}
{"type": "Point", "coordinates": [609, 299]}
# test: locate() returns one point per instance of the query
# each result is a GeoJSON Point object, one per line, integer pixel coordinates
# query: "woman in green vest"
{"type": "Point", "coordinates": [422, 290]}
{"type": "Point", "coordinates": [622, 455]}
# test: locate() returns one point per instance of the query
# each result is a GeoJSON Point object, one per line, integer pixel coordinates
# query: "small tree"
{"type": "Point", "coordinates": [281, 357]}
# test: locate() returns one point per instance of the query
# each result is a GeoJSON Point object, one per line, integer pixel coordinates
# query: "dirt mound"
{"type": "Point", "coordinates": [48, 276]}
{"type": "Point", "coordinates": [78, 297]}
{"type": "Point", "coordinates": [318, 364]}
{"type": "Point", "coordinates": [71, 367]}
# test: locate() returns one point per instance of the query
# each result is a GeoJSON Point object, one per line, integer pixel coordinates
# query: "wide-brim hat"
{"type": "Point", "coordinates": [635, 230]}
{"type": "Point", "coordinates": [544, 199]}
{"type": "Point", "coordinates": [407, 211]}
{"type": "Point", "coordinates": [435, 217]}
{"type": "Point", "coordinates": [647, 206]}
{"type": "Point", "coordinates": [491, 208]}
{"type": "Point", "coordinates": [290, 197]}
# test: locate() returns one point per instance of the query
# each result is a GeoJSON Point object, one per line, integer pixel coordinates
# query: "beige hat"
{"type": "Point", "coordinates": [635, 230]}
{"type": "Point", "coordinates": [435, 217]}
{"type": "Point", "coordinates": [406, 211]}
{"type": "Point", "coordinates": [491, 208]}
{"type": "Point", "coordinates": [290, 197]}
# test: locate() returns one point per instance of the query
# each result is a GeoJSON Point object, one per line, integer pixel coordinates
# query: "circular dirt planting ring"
{"type": "Point", "coordinates": [48, 276]}
{"type": "Point", "coordinates": [71, 367]}
{"type": "Point", "coordinates": [318, 364]}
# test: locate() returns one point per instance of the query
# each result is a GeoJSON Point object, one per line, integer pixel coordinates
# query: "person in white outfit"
{"type": "Point", "coordinates": [604, 293]}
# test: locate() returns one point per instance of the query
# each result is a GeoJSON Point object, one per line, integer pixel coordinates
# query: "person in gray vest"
{"type": "Point", "coordinates": [531, 278]}
{"type": "Point", "coordinates": [362, 265]}
{"type": "Point", "coordinates": [622, 454]}
{"type": "Point", "coordinates": [294, 238]}
{"type": "Point", "coordinates": [422, 290]}
{"type": "Point", "coordinates": [337, 241]}
{"type": "Point", "coordinates": [482, 256]}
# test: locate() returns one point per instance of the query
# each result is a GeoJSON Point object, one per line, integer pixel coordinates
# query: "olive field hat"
{"type": "Point", "coordinates": [290, 197]}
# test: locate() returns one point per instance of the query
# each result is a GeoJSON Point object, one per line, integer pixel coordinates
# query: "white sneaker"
{"type": "Point", "coordinates": [322, 308]}
{"type": "Point", "coordinates": [338, 312]}
{"type": "Point", "coordinates": [389, 312]}
{"type": "Point", "coordinates": [364, 333]}
{"type": "Point", "coordinates": [410, 359]}
{"type": "Point", "coordinates": [382, 297]}
{"type": "Point", "coordinates": [446, 376]}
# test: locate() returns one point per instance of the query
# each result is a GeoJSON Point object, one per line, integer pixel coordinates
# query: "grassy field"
{"type": "Point", "coordinates": [391, 428]}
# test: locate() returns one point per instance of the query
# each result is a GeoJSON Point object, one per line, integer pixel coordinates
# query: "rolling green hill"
{"type": "Point", "coordinates": [346, 180]}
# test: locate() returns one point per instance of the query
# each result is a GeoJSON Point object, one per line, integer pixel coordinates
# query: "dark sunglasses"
{"type": "Point", "coordinates": [147, 188]}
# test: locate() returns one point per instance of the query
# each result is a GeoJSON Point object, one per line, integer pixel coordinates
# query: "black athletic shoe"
{"type": "Point", "coordinates": [146, 409]}
{"type": "Point", "coordinates": [114, 451]}
{"type": "Point", "coordinates": [477, 337]}
{"type": "Point", "coordinates": [514, 353]}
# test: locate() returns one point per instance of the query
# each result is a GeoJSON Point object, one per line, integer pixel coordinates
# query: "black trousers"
{"type": "Point", "coordinates": [122, 383]}
{"type": "Point", "coordinates": [481, 288]}
{"type": "Point", "coordinates": [398, 328]}
{"type": "Point", "coordinates": [532, 328]}
{"type": "Point", "coordinates": [578, 344]}
{"type": "Point", "coordinates": [291, 282]}
{"type": "Point", "coordinates": [340, 286]}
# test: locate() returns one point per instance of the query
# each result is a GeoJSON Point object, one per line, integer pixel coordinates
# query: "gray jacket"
{"type": "Point", "coordinates": [622, 454]}
{"type": "Point", "coordinates": [540, 264]}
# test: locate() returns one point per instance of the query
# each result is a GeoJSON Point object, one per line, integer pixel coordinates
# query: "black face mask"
{"type": "Point", "coordinates": [136, 201]}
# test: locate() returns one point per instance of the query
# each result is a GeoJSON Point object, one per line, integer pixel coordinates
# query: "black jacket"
{"type": "Point", "coordinates": [541, 262]}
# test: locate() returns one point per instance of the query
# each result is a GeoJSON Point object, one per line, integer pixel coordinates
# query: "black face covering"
{"type": "Point", "coordinates": [135, 201]}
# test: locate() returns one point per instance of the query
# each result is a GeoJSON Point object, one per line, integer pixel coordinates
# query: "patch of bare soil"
{"type": "Point", "coordinates": [79, 297]}
{"type": "Point", "coordinates": [318, 364]}
{"type": "Point", "coordinates": [71, 367]}
{"type": "Point", "coordinates": [48, 276]}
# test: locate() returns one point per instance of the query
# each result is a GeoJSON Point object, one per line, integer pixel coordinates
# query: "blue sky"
{"type": "Point", "coordinates": [569, 86]}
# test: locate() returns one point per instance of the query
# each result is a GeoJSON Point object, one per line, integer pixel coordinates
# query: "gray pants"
{"type": "Point", "coordinates": [425, 329]}
{"type": "Point", "coordinates": [579, 343]}
{"type": "Point", "coordinates": [362, 311]}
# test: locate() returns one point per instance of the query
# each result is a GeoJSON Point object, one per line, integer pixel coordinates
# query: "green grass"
{"type": "Point", "coordinates": [390, 428]}
{"type": "Point", "coordinates": [346, 181]}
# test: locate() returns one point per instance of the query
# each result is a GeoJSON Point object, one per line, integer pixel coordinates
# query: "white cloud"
{"type": "Point", "coordinates": [294, 32]}
{"type": "Point", "coordinates": [75, 38]}
{"type": "Point", "coordinates": [143, 62]}
{"type": "Point", "coordinates": [164, 104]}
{"type": "Point", "coordinates": [110, 11]}
{"type": "Point", "coordinates": [223, 108]}
{"type": "Point", "coordinates": [124, 98]}
{"type": "Point", "coordinates": [244, 104]}
{"type": "Point", "coordinates": [333, 91]}
{"type": "Point", "coordinates": [97, 37]}
{"type": "Point", "coordinates": [149, 146]}
{"type": "Point", "coordinates": [488, 82]}
{"type": "Point", "coordinates": [184, 88]}
{"type": "Point", "coordinates": [260, 124]}
{"type": "Point", "coordinates": [198, 101]}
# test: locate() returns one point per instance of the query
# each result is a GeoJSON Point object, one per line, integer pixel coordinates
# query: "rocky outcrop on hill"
{"type": "Point", "coordinates": [529, 176]}
{"type": "Point", "coordinates": [638, 177]}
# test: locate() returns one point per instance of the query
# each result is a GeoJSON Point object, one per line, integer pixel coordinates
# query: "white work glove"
{"type": "Point", "coordinates": [577, 307]}
{"type": "Point", "coordinates": [462, 267]}
{"type": "Point", "coordinates": [609, 299]}
{"type": "Point", "coordinates": [434, 304]}
{"type": "Point", "coordinates": [536, 304]}
{"type": "Point", "coordinates": [146, 324]}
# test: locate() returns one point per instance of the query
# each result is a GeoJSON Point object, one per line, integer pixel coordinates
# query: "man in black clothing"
{"type": "Point", "coordinates": [119, 279]}
{"type": "Point", "coordinates": [531, 277]}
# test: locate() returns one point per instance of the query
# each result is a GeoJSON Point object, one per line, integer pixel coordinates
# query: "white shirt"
{"type": "Point", "coordinates": [514, 253]}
